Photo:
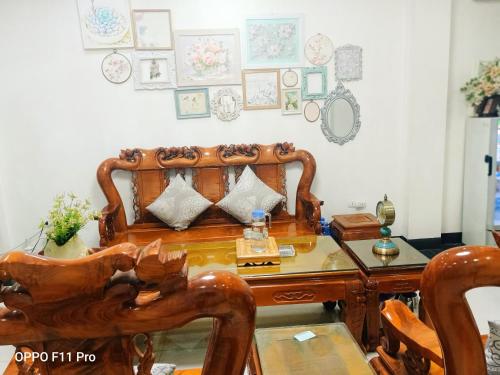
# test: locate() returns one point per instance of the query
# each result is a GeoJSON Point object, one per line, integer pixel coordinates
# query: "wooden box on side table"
{"type": "Point", "coordinates": [353, 227]}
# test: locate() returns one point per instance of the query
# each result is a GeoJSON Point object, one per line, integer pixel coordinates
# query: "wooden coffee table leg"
{"type": "Point", "coordinates": [372, 315]}
{"type": "Point", "coordinates": [355, 308]}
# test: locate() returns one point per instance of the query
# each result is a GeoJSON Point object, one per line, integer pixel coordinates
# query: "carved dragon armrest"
{"type": "Point", "coordinates": [402, 326]}
{"type": "Point", "coordinates": [312, 209]}
{"type": "Point", "coordinates": [107, 224]}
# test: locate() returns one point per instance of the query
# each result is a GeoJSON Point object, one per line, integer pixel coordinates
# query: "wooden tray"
{"type": "Point", "coordinates": [245, 256]}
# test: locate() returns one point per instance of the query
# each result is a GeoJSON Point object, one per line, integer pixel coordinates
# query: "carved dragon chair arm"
{"type": "Point", "coordinates": [402, 326]}
{"type": "Point", "coordinates": [313, 209]}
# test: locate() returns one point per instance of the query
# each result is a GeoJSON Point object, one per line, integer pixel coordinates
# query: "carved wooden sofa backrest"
{"type": "Point", "coordinates": [99, 303]}
{"type": "Point", "coordinates": [210, 169]}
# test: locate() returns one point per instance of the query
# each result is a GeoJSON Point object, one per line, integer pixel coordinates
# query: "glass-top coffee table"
{"type": "Point", "coordinates": [319, 272]}
{"type": "Point", "coordinates": [385, 274]}
{"type": "Point", "coordinates": [332, 351]}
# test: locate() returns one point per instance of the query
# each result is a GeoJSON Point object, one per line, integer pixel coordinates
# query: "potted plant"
{"type": "Point", "coordinates": [480, 89]}
{"type": "Point", "coordinates": [67, 216]}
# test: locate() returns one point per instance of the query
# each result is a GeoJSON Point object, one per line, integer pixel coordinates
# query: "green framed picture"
{"type": "Point", "coordinates": [192, 103]}
{"type": "Point", "coordinates": [314, 83]}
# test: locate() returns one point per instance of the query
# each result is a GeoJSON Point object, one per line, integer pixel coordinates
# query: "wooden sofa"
{"type": "Point", "coordinates": [151, 170]}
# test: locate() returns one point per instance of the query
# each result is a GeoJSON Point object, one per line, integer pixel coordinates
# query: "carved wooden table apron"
{"type": "Point", "coordinates": [396, 275]}
{"type": "Point", "coordinates": [320, 271]}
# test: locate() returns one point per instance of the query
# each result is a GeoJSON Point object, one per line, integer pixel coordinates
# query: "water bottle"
{"type": "Point", "coordinates": [259, 230]}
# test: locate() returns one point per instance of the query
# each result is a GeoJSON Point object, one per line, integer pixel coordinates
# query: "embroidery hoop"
{"type": "Point", "coordinates": [313, 104]}
{"type": "Point", "coordinates": [124, 58]}
{"type": "Point", "coordinates": [290, 76]}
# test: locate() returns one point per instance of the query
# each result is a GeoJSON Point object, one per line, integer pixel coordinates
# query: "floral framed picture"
{"type": "Point", "coordinates": [154, 70]}
{"type": "Point", "coordinates": [105, 24]}
{"type": "Point", "coordinates": [192, 103]}
{"type": "Point", "coordinates": [314, 83]}
{"type": "Point", "coordinates": [291, 102]}
{"type": "Point", "coordinates": [152, 29]}
{"type": "Point", "coordinates": [116, 68]}
{"type": "Point", "coordinates": [261, 89]}
{"type": "Point", "coordinates": [274, 41]}
{"type": "Point", "coordinates": [208, 57]}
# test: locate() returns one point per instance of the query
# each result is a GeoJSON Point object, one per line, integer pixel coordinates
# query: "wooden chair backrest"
{"type": "Point", "coordinates": [445, 281]}
{"type": "Point", "coordinates": [100, 303]}
{"type": "Point", "coordinates": [210, 168]}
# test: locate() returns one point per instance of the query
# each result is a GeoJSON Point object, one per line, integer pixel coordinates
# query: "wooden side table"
{"type": "Point", "coordinates": [351, 227]}
{"type": "Point", "coordinates": [391, 275]}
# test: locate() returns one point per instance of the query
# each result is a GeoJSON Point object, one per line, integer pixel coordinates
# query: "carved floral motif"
{"type": "Point", "coordinates": [238, 150]}
{"type": "Point", "coordinates": [177, 152]}
{"type": "Point", "coordinates": [293, 296]}
{"type": "Point", "coordinates": [131, 155]}
{"type": "Point", "coordinates": [285, 148]}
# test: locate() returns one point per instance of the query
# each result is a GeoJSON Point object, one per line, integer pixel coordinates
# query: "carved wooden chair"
{"type": "Point", "coordinates": [97, 306]}
{"type": "Point", "coordinates": [151, 171]}
{"type": "Point", "coordinates": [451, 344]}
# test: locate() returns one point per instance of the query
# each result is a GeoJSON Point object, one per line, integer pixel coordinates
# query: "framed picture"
{"type": "Point", "coordinates": [154, 70]}
{"type": "Point", "coordinates": [116, 68]}
{"type": "Point", "coordinates": [312, 111]}
{"type": "Point", "coordinates": [291, 102]}
{"type": "Point", "coordinates": [314, 83]}
{"type": "Point", "coordinates": [274, 42]}
{"type": "Point", "coordinates": [348, 63]}
{"type": "Point", "coordinates": [208, 57]}
{"type": "Point", "coordinates": [152, 29]}
{"type": "Point", "coordinates": [290, 78]}
{"type": "Point", "coordinates": [192, 103]}
{"type": "Point", "coordinates": [105, 24]}
{"type": "Point", "coordinates": [261, 89]}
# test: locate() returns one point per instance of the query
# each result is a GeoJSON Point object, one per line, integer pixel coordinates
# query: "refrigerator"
{"type": "Point", "coordinates": [481, 194]}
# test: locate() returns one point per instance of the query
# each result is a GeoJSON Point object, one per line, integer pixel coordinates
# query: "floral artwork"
{"type": "Point", "coordinates": [291, 102]}
{"type": "Point", "coordinates": [274, 42]}
{"type": "Point", "coordinates": [105, 24]}
{"type": "Point", "coordinates": [116, 68]}
{"type": "Point", "coordinates": [208, 57]}
{"type": "Point", "coordinates": [261, 89]}
{"type": "Point", "coordinates": [319, 49]}
{"type": "Point", "coordinates": [154, 70]}
{"type": "Point", "coordinates": [192, 103]}
{"type": "Point", "coordinates": [486, 84]}
{"type": "Point", "coordinates": [348, 63]}
{"type": "Point", "coordinates": [152, 29]}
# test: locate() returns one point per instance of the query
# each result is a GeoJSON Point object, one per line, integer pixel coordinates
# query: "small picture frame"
{"type": "Point", "coordinates": [348, 63]}
{"type": "Point", "coordinates": [314, 83]}
{"type": "Point", "coordinates": [152, 29]}
{"type": "Point", "coordinates": [192, 103]}
{"type": "Point", "coordinates": [261, 89]}
{"type": "Point", "coordinates": [291, 102]}
{"type": "Point", "coordinates": [290, 78]}
{"type": "Point", "coordinates": [312, 111]}
{"type": "Point", "coordinates": [116, 67]}
{"type": "Point", "coordinates": [154, 70]}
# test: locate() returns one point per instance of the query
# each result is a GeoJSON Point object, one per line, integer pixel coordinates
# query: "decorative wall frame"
{"type": "Point", "coordinates": [116, 67]}
{"type": "Point", "coordinates": [314, 83]}
{"type": "Point", "coordinates": [261, 89]}
{"type": "Point", "coordinates": [318, 49]}
{"type": "Point", "coordinates": [340, 106]}
{"type": "Point", "coordinates": [290, 78]}
{"type": "Point", "coordinates": [152, 29]}
{"type": "Point", "coordinates": [105, 24]}
{"type": "Point", "coordinates": [291, 101]}
{"type": "Point", "coordinates": [226, 104]}
{"type": "Point", "coordinates": [312, 111]}
{"type": "Point", "coordinates": [154, 70]}
{"type": "Point", "coordinates": [274, 41]}
{"type": "Point", "coordinates": [349, 63]}
{"type": "Point", "coordinates": [208, 57]}
{"type": "Point", "coordinates": [192, 103]}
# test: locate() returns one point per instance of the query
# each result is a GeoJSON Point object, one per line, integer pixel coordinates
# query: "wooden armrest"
{"type": "Point", "coordinates": [312, 209]}
{"type": "Point", "coordinates": [106, 223]}
{"type": "Point", "coordinates": [401, 324]}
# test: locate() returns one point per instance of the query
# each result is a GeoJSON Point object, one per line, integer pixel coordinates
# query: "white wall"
{"type": "Point", "coordinates": [60, 118]}
{"type": "Point", "coordinates": [474, 38]}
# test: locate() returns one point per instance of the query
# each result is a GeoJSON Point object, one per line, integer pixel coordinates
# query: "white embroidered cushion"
{"type": "Point", "coordinates": [249, 194]}
{"type": "Point", "coordinates": [179, 204]}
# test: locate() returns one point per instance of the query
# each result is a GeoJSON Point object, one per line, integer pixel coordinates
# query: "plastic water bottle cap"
{"type": "Point", "coordinates": [258, 214]}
